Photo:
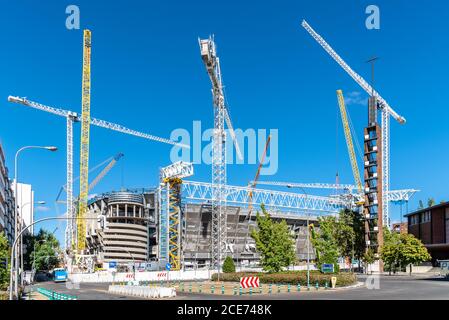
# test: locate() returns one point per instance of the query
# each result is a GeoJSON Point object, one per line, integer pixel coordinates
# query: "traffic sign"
{"type": "Point", "coordinates": [112, 264]}
{"type": "Point", "coordinates": [168, 266]}
{"type": "Point", "coordinates": [247, 282]}
{"type": "Point", "coordinates": [327, 268]}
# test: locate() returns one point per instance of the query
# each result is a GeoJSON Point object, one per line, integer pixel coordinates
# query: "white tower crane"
{"type": "Point", "coordinates": [221, 114]}
{"type": "Point", "coordinates": [382, 104]}
{"type": "Point", "coordinates": [74, 117]}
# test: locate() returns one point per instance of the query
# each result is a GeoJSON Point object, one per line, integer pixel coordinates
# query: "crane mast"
{"type": "Point", "coordinates": [84, 155]}
{"type": "Point", "coordinates": [350, 145]}
{"type": "Point", "coordinates": [219, 229]}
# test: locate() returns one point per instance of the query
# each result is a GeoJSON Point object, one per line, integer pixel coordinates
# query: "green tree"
{"type": "Point", "coordinates": [420, 205]}
{"type": "Point", "coordinates": [400, 250]}
{"type": "Point", "coordinates": [325, 242]}
{"type": "Point", "coordinates": [4, 257]}
{"type": "Point", "coordinates": [350, 232]}
{"type": "Point", "coordinates": [228, 265]}
{"type": "Point", "coordinates": [274, 242]}
{"type": "Point", "coordinates": [430, 202]}
{"type": "Point", "coordinates": [369, 257]}
{"type": "Point", "coordinates": [47, 254]}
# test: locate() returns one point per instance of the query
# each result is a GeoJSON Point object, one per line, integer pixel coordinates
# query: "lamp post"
{"type": "Point", "coordinates": [13, 248]}
{"type": "Point", "coordinates": [16, 220]}
{"type": "Point", "coordinates": [21, 239]}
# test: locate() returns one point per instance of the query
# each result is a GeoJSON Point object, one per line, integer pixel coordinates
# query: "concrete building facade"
{"type": "Point", "coordinates": [431, 226]}
{"type": "Point", "coordinates": [7, 201]}
{"type": "Point", "coordinates": [25, 204]}
{"type": "Point", "coordinates": [130, 229]}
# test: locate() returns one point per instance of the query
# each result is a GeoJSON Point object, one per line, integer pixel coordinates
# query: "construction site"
{"type": "Point", "coordinates": [191, 224]}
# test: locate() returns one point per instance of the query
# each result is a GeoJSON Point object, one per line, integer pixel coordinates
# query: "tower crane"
{"type": "Point", "coordinates": [385, 108]}
{"type": "Point", "coordinates": [72, 117]}
{"type": "Point", "coordinates": [350, 145]}
{"type": "Point", "coordinates": [84, 153]}
{"type": "Point", "coordinates": [221, 115]}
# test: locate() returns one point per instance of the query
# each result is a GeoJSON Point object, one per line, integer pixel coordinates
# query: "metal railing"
{"type": "Point", "coordinates": [53, 295]}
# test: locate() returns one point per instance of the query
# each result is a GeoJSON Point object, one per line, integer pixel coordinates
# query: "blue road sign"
{"type": "Point", "coordinates": [168, 266]}
{"type": "Point", "coordinates": [327, 268]}
{"type": "Point", "coordinates": [112, 264]}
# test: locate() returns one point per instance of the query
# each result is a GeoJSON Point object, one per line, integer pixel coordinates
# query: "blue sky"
{"type": "Point", "coordinates": [147, 74]}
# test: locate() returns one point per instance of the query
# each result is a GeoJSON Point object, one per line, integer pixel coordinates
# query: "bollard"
{"type": "Point", "coordinates": [279, 288]}
{"type": "Point", "coordinates": [270, 288]}
{"type": "Point", "coordinates": [190, 288]}
{"type": "Point", "coordinates": [288, 288]}
{"type": "Point", "coordinates": [299, 287]}
{"type": "Point", "coordinates": [235, 290]}
{"type": "Point", "coordinates": [325, 286]}
{"type": "Point", "coordinates": [222, 289]}
{"type": "Point", "coordinates": [200, 288]}
{"type": "Point", "coordinates": [240, 291]}
{"type": "Point", "coordinates": [212, 289]}
{"type": "Point", "coordinates": [250, 291]}
{"type": "Point", "coordinates": [260, 289]}
{"type": "Point", "coordinates": [316, 285]}
{"type": "Point", "coordinates": [308, 287]}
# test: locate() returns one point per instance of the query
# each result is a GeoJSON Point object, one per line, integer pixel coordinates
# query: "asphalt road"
{"type": "Point", "coordinates": [402, 287]}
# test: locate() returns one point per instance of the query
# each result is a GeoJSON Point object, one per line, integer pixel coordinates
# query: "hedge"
{"type": "Point", "coordinates": [292, 277]}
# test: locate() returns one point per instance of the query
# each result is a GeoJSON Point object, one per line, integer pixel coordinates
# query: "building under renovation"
{"type": "Point", "coordinates": [132, 232]}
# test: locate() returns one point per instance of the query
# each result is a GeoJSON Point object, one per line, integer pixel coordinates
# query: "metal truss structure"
{"type": "Point", "coordinates": [178, 169]}
{"type": "Point", "coordinates": [382, 104]}
{"type": "Point", "coordinates": [203, 192]}
{"type": "Point", "coordinates": [348, 187]}
{"type": "Point", "coordinates": [221, 114]}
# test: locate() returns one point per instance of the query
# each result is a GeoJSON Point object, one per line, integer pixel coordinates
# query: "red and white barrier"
{"type": "Point", "coordinates": [247, 282]}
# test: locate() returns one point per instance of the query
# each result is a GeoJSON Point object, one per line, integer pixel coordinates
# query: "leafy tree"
{"type": "Point", "coordinates": [47, 251]}
{"type": "Point", "coordinates": [401, 250]}
{"type": "Point", "coordinates": [228, 265]}
{"type": "Point", "coordinates": [369, 257]}
{"type": "Point", "coordinates": [420, 205]}
{"type": "Point", "coordinates": [430, 202]}
{"type": "Point", "coordinates": [350, 231]}
{"type": "Point", "coordinates": [4, 257]}
{"type": "Point", "coordinates": [325, 242]}
{"type": "Point", "coordinates": [274, 242]}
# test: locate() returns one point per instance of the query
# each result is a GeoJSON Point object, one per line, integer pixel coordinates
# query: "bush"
{"type": "Point", "coordinates": [228, 265]}
{"type": "Point", "coordinates": [292, 277]}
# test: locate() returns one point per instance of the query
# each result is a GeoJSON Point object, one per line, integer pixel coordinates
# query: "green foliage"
{"type": "Point", "coordinates": [274, 242]}
{"type": "Point", "coordinates": [399, 250]}
{"type": "Point", "coordinates": [325, 242]}
{"type": "Point", "coordinates": [228, 265]}
{"type": "Point", "coordinates": [350, 232]}
{"type": "Point", "coordinates": [4, 256]}
{"type": "Point", "coordinates": [291, 277]}
{"type": "Point", "coordinates": [430, 202]}
{"type": "Point", "coordinates": [47, 254]}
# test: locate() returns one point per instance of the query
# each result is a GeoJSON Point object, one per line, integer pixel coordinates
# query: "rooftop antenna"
{"type": "Point", "coordinates": [372, 61]}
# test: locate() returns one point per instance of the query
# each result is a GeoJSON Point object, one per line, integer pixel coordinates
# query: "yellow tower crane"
{"type": "Point", "coordinates": [85, 128]}
{"type": "Point", "coordinates": [350, 145]}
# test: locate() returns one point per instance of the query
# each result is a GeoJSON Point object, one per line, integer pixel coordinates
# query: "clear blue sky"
{"type": "Point", "coordinates": [147, 74]}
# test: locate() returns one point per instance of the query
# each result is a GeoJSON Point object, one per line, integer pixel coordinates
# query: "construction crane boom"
{"type": "Point", "coordinates": [93, 121]}
{"type": "Point", "coordinates": [350, 145]}
{"type": "Point", "coordinates": [365, 85]}
{"type": "Point", "coordinates": [105, 171]}
{"type": "Point", "coordinates": [348, 187]}
{"type": "Point", "coordinates": [85, 133]}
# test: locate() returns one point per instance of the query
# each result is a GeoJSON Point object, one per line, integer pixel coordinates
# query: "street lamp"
{"type": "Point", "coordinates": [16, 220]}
{"type": "Point", "coordinates": [308, 243]}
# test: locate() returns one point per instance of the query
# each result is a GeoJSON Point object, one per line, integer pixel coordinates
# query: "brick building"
{"type": "Point", "coordinates": [431, 226]}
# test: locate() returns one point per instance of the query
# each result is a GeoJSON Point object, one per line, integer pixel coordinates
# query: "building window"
{"type": "Point", "coordinates": [414, 219]}
{"type": "Point", "coordinates": [425, 217]}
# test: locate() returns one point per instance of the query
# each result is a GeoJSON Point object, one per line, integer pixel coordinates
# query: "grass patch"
{"type": "Point", "coordinates": [292, 277]}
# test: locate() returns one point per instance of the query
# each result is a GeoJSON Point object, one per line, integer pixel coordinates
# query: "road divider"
{"type": "Point", "coordinates": [143, 291]}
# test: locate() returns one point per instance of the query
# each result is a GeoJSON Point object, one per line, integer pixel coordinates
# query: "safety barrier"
{"type": "Point", "coordinates": [143, 291]}
{"type": "Point", "coordinates": [53, 295]}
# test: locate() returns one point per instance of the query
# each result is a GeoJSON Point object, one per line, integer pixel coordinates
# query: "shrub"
{"type": "Point", "coordinates": [292, 277]}
{"type": "Point", "coordinates": [228, 265]}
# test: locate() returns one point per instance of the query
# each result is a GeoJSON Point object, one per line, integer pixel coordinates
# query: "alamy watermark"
{"type": "Point", "coordinates": [251, 143]}
{"type": "Point", "coordinates": [72, 22]}
{"type": "Point", "coordinates": [373, 20]}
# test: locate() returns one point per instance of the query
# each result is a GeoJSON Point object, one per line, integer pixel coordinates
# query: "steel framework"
{"type": "Point", "coordinates": [203, 192]}
{"type": "Point", "coordinates": [221, 114]}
